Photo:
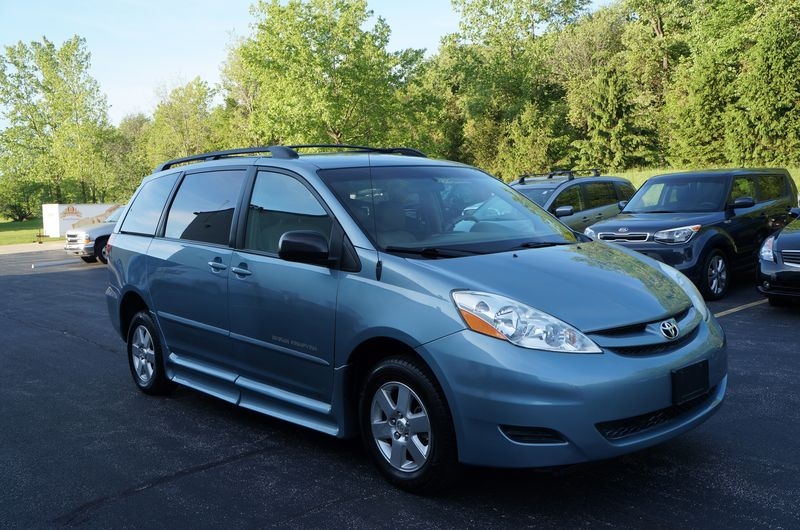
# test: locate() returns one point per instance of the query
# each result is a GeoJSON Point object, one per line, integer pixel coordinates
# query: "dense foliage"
{"type": "Point", "coordinates": [524, 85]}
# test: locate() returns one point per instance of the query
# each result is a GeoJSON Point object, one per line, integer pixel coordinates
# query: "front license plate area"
{"type": "Point", "coordinates": [689, 382]}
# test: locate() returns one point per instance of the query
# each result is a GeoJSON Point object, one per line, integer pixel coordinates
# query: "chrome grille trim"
{"type": "Point", "coordinates": [623, 236]}
{"type": "Point", "coordinates": [791, 257]}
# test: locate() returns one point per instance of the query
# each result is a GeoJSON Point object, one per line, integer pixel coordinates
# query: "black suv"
{"type": "Point", "coordinates": [706, 223]}
{"type": "Point", "coordinates": [578, 202]}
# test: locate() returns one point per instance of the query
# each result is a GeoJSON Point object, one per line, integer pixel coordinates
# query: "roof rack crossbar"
{"type": "Point", "coordinates": [408, 151]}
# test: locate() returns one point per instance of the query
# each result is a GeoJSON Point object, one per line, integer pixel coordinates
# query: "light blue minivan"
{"type": "Point", "coordinates": [421, 304]}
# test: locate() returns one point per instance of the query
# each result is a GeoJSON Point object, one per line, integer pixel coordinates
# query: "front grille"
{"type": "Point", "coordinates": [791, 257]}
{"type": "Point", "coordinates": [655, 349]}
{"type": "Point", "coordinates": [628, 236]}
{"type": "Point", "coordinates": [627, 427]}
{"type": "Point", "coordinates": [532, 435]}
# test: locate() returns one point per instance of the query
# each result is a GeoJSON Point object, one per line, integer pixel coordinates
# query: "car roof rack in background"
{"type": "Point", "coordinates": [285, 152]}
{"type": "Point", "coordinates": [569, 173]}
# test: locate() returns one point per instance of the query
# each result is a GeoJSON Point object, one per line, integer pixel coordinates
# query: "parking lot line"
{"type": "Point", "coordinates": [740, 308]}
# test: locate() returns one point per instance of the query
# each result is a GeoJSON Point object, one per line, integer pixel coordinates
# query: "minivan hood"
{"type": "Point", "coordinates": [592, 286]}
{"type": "Point", "coordinates": [653, 222]}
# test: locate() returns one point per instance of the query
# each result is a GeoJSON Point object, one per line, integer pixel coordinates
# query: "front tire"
{"type": "Point", "coordinates": [100, 250]}
{"type": "Point", "coordinates": [407, 428]}
{"type": "Point", "coordinates": [715, 275]}
{"type": "Point", "coordinates": [146, 356]}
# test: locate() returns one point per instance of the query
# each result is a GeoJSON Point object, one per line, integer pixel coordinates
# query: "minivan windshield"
{"type": "Point", "coordinates": [442, 211]}
{"type": "Point", "coordinates": [679, 194]}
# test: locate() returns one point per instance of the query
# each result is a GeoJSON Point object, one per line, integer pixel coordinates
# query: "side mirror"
{"type": "Point", "coordinates": [622, 205]}
{"type": "Point", "coordinates": [794, 212]}
{"type": "Point", "coordinates": [743, 202]}
{"type": "Point", "coordinates": [304, 246]}
{"type": "Point", "coordinates": [564, 211]}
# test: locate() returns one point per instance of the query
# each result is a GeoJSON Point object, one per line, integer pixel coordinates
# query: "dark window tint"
{"type": "Point", "coordinates": [537, 195]}
{"type": "Point", "coordinates": [279, 204]}
{"type": "Point", "coordinates": [570, 196]}
{"type": "Point", "coordinates": [204, 205]}
{"type": "Point", "coordinates": [599, 194]}
{"type": "Point", "coordinates": [624, 191]}
{"type": "Point", "coordinates": [145, 212]}
{"type": "Point", "coordinates": [771, 187]}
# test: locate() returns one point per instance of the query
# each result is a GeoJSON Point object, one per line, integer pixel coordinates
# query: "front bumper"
{"type": "Point", "coordinates": [514, 407]}
{"type": "Point", "coordinates": [776, 279]}
{"type": "Point", "coordinates": [80, 249]}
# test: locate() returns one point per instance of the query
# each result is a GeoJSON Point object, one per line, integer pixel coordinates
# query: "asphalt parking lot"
{"type": "Point", "coordinates": [81, 447]}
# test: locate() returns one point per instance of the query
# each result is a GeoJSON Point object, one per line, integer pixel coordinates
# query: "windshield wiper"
{"type": "Point", "coordinates": [433, 252]}
{"type": "Point", "coordinates": [539, 244]}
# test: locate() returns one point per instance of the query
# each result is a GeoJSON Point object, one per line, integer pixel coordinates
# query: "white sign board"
{"type": "Point", "coordinates": [58, 218]}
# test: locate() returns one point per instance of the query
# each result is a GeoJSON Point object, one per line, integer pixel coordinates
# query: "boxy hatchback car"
{"type": "Point", "coordinates": [707, 224]}
{"type": "Point", "coordinates": [332, 290]}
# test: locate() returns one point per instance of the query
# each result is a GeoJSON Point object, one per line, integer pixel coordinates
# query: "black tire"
{"type": "Point", "coordinates": [715, 275]}
{"type": "Point", "coordinates": [407, 428]}
{"type": "Point", "coordinates": [146, 357]}
{"type": "Point", "coordinates": [89, 259]}
{"type": "Point", "coordinates": [100, 249]}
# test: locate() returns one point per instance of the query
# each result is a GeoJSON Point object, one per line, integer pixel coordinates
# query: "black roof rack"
{"type": "Point", "coordinates": [286, 152]}
{"type": "Point", "coordinates": [569, 173]}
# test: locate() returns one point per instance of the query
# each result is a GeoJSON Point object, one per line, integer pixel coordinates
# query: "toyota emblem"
{"type": "Point", "coordinates": [669, 328]}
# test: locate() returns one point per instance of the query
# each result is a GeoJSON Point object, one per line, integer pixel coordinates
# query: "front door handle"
{"type": "Point", "coordinates": [217, 266]}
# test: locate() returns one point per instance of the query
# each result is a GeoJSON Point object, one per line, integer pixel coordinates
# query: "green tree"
{"type": "Point", "coordinates": [181, 123]}
{"type": "Point", "coordinates": [312, 73]}
{"type": "Point", "coordinates": [57, 120]}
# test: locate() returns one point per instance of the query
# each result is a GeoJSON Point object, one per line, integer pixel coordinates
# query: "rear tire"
{"type": "Point", "coordinates": [407, 428]}
{"type": "Point", "coordinates": [146, 356]}
{"type": "Point", "coordinates": [715, 276]}
{"type": "Point", "coordinates": [89, 259]}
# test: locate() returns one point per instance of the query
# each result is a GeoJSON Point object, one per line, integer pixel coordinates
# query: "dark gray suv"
{"type": "Point", "coordinates": [576, 201]}
{"type": "Point", "coordinates": [706, 224]}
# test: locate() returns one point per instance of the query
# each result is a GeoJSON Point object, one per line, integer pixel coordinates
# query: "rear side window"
{"type": "Point", "coordinates": [204, 205]}
{"type": "Point", "coordinates": [145, 212]}
{"type": "Point", "coordinates": [743, 187]}
{"type": "Point", "coordinates": [599, 194]}
{"type": "Point", "coordinates": [771, 187]}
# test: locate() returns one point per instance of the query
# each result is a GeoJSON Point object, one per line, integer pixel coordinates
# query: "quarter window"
{"type": "Point", "coordinates": [204, 205]}
{"type": "Point", "coordinates": [145, 211]}
{"type": "Point", "coordinates": [279, 204]}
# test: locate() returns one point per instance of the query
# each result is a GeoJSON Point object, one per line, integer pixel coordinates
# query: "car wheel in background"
{"type": "Point", "coordinates": [715, 275]}
{"type": "Point", "coordinates": [145, 356]}
{"type": "Point", "coordinates": [100, 249]}
{"type": "Point", "coordinates": [407, 428]}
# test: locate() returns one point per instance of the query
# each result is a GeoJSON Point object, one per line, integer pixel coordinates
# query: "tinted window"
{"type": "Point", "coordinates": [571, 196]}
{"type": "Point", "coordinates": [599, 194]}
{"type": "Point", "coordinates": [771, 187]}
{"type": "Point", "coordinates": [145, 212]}
{"type": "Point", "coordinates": [624, 191]}
{"type": "Point", "coordinates": [204, 205]}
{"type": "Point", "coordinates": [279, 204]}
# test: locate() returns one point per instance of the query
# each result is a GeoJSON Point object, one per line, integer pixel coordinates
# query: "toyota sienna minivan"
{"type": "Point", "coordinates": [349, 292]}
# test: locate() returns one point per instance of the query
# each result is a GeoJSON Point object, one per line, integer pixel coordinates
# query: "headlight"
{"type": "Point", "coordinates": [676, 235]}
{"type": "Point", "coordinates": [503, 318]}
{"type": "Point", "coordinates": [589, 232]}
{"type": "Point", "coordinates": [688, 287]}
{"type": "Point", "coordinates": [766, 252]}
